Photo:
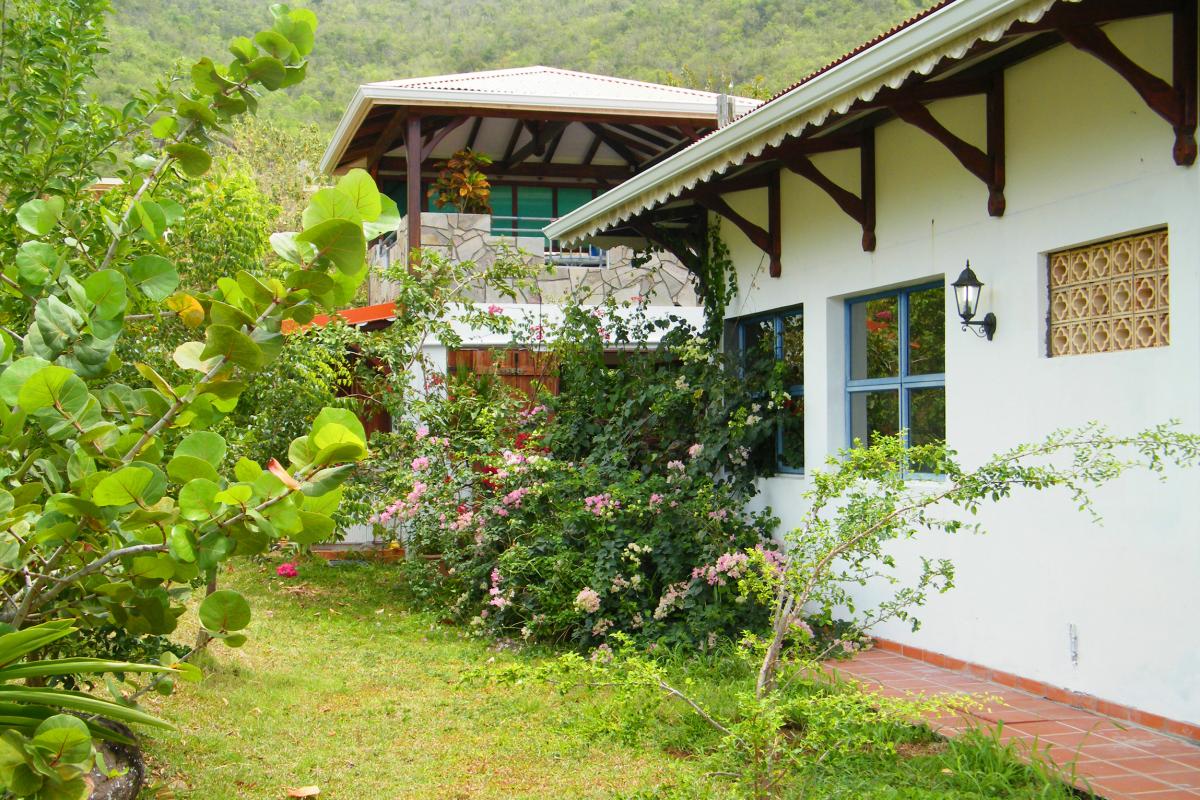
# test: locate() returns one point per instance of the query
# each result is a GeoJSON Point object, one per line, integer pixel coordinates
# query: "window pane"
{"type": "Point", "coordinates": [874, 414]}
{"type": "Point", "coordinates": [926, 420]}
{"type": "Point", "coordinates": [791, 445]}
{"type": "Point", "coordinates": [758, 343]}
{"type": "Point", "coordinates": [793, 350]}
{"type": "Point", "coordinates": [874, 343]}
{"type": "Point", "coordinates": [927, 331]}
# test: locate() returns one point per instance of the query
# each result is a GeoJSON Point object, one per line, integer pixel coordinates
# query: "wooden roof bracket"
{"type": "Point", "coordinates": [860, 207]}
{"type": "Point", "coordinates": [689, 253]}
{"type": "Point", "coordinates": [989, 166]}
{"type": "Point", "coordinates": [768, 240]}
{"type": "Point", "coordinates": [1175, 101]}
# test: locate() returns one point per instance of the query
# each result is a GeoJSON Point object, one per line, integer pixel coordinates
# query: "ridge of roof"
{"type": "Point", "coordinates": [461, 81]}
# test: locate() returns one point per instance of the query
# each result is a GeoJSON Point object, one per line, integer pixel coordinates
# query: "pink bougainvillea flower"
{"type": "Point", "coordinates": [422, 431]}
{"type": "Point", "coordinates": [419, 463]}
{"type": "Point", "coordinates": [287, 570]}
{"type": "Point", "coordinates": [495, 309]}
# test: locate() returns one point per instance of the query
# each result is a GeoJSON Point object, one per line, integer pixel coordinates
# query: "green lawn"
{"type": "Point", "coordinates": [342, 688]}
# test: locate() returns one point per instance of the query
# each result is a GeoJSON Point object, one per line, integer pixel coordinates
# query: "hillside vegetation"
{"type": "Point", "coordinates": [759, 45]}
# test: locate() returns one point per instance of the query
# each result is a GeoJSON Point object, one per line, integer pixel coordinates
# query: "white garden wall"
{"type": "Point", "coordinates": [1086, 160]}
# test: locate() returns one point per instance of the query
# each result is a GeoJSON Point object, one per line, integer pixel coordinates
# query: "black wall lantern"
{"type": "Point", "coordinates": [966, 295]}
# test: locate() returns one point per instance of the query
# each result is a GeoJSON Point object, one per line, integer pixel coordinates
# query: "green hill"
{"type": "Point", "coordinates": [759, 45]}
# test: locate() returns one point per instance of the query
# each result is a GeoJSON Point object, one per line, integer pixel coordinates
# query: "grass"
{"type": "Point", "coordinates": [342, 688]}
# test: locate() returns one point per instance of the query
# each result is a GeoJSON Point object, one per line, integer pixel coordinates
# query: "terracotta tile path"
{"type": "Point", "coordinates": [1117, 761]}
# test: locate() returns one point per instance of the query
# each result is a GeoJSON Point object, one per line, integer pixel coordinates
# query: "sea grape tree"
{"type": "Point", "coordinates": [115, 495]}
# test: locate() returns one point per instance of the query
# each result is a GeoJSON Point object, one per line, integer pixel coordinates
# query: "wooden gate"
{"type": "Point", "coordinates": [527, 371]}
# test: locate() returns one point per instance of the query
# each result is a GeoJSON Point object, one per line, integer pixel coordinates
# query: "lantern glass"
{"type": "Point", "coordinates": [966, 293]}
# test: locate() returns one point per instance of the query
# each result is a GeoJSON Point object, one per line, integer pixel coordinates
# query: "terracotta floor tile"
{"type": "Point", "coordinates": [1185, 779]}
{"type": "Point", "coordinates": [1130, 784]}
{"type": "Point", "coordinates": [1147, 765]}
{"type": "Point", "coordinates": [1118, 760]}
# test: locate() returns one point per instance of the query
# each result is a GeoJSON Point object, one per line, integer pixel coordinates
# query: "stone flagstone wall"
{"type": "Point", "coordinates": [468, 237]}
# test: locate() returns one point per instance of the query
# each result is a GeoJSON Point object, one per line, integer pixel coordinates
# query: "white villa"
{"type": "Point", "coordinates": [1050, 143]}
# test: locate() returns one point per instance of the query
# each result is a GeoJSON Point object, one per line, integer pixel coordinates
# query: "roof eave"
{"type": "Point", "coordinates": [351, 119]}
{"type": "Point", "coordinates": [941, 27]}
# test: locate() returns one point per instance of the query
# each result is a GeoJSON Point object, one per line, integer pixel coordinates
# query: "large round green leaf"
{"type": "Point", "coordinates": [155, 276]}
{"type": "Point", "coordinates": [187, 356]}
{"type": "Point", "coordinates": [331, 203]}
{"type": "Point", "coordinates": [359, 186]}
{"type": "Point", "coordinates": [106, 290]}
{"type": "Point", "coordinates": [194, 160]}
{"type": "Point", "coordinates": [339, 416]}
{"type": "Point", "coordinates": [35, 261]}
{"type": "Point", "coordinates": [53, 386]}
{"type": "Point", "coordinates": [235, 346]}
{"type": "Point", "coordinates": [187, 468]}
{"type": "Point", "coordinates": [40, 216]}
{"type": "Point", "coordinates": [224, 611]}
{"type": "Point", "coordinates": [339, 240]}
{"type": "Point", "coordinates": [315, 528]}
{"type": "Point", "coordinates": [197, 499]}
{"type": "Point", "coordinates": [15, 376]}
{"type": "Point", "coordinates": [205, 445]}
{"type": "Point", "coordinates": [129, 485]}
{"type": "Point", "coordinates": [64, 739]}
{"type": "Point", "coordinates": [268, 71]}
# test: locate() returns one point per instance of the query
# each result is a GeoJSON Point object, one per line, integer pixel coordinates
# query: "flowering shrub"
{"type": "Point", "coordinates": [595, 512]}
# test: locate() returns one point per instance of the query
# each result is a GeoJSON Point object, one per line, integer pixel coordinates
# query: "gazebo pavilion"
{"type": "Point", "coordinates": [557, 138]}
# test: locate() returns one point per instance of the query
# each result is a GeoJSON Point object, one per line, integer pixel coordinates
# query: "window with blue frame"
{"type": "Point", "coordinates": [896, 343]}
{"type": "Point", "coordinates": [780, 335]}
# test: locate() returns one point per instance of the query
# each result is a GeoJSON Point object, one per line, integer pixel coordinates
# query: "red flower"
{"type": "Point", "coordinates": [287, 570]}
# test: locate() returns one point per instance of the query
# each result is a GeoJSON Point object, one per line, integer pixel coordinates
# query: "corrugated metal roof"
{"type": "Point", "coordinates": [915, 47]}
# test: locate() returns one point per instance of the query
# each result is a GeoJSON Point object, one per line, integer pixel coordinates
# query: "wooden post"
{"type": "Point", "coordinates": [412, 158]}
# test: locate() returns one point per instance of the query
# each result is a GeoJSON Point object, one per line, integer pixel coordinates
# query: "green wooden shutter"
{"type": "Point", "coordinates": [535, 205]}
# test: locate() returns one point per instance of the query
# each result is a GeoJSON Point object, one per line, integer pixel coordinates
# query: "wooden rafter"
{"type": "Point", "coordinates": [542, 134]}
{"type": "Point", "coordinates": [613, 144]}
{"type": "Point", "coordinates": [413, 146]}
{"type": "Point", "coordinates": [474, 134]}
{"type": "Point", "coordinates": [768, 239]}
{"type": "Point", "coordinates": [629, 141]}
{"type": "Point", "coordinates": [1174, 101]}
{"type": "Point", "coordinates": [987, 166]}
{"type": "Point", "coordinates": [593, 148]}
{"type": "Point", "coordinates": [552, 148]}
{"type": "Point", "coordinates": [441, 133]}
{"type": "Point", "coordinates": [684, 244]}
{"type": "Point", "coordinates": [513, 137]}
{"type": "Point", "coordinates": [387, 139]}
{"type": "Point", "coordinates": [641, 133]}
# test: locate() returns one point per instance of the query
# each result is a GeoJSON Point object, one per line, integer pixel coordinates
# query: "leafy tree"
{"type": "Point", "coordinates": [115, 497]}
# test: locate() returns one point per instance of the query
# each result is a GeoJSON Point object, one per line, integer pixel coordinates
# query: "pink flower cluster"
{"type": "Point", "coordinates": [671, 597]}
{"type": "Point", "coordinates": [513, 498]}
{"type": "Point", "coordinates": [695, 450]}
{"type": "Point", "coordinates": [420, 463]}
{"type": "Point", "coordinates": [529, 413]}
{"type": "Point", "coordinates": [494, 309]}
{"type": "Point", "coordinates": [287, 570]}
{"type": "Point", "coordinates": [774, 558]}
{"type": "Point", "coordinates": [599, 504]}
{"type": "Point", "coordinates": [729, 565]}
{"type": "Point", "coordinates": [587, 600]}
{"type": "Point", "coordinates": [655, 499]}
{"type": "Point", "coordinates": [406, 508]}
{"type": "Point", "coordinates": [498, 599]}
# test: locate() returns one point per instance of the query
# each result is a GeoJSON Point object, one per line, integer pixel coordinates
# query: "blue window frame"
{"type": "Point", "coordinates": [896, 365]}
{"type": "Point", "coordinates": [780, 335]}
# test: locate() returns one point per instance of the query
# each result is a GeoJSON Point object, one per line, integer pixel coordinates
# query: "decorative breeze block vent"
{"type": "Point", "coordinates": [1110, 296]}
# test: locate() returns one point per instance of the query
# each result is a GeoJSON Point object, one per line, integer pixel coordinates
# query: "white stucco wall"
{"type": "Point", "coordinates": [1086, 160]}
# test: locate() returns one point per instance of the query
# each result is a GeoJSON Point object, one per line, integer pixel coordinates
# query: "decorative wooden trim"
{"type": "Point", "coordinates": [553, 147]}
{"type": "Point", "coordinates": [866, 153]}
{"type": "Point", "coordinates": [1175, 101]}
{"type": "Point", "coordinates": [387, 139]}
{"type": "Point", "coordinates": [1049, 691]}
{"type": "Point", "coordinates": [989, 166]}
{"type": "Point", "coordinates": [439, 135]}
{"type": "Point", "coordinates": [774, 226]}
{"type": "Point", "coordinates": [860, 207]}
{"type": "Point", "coordinates": [716, 204]}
